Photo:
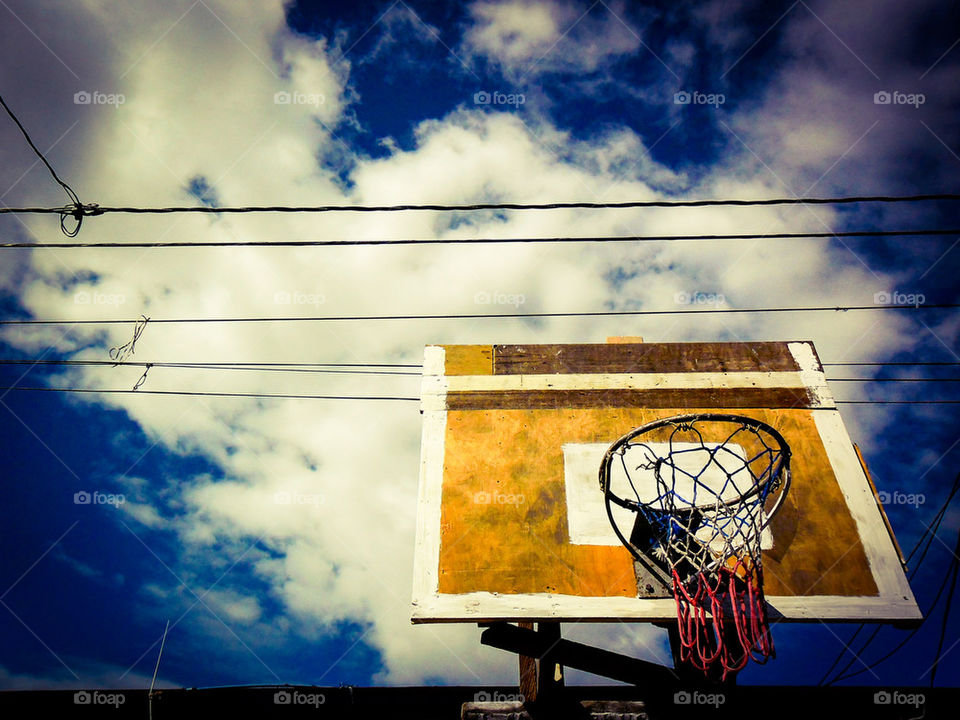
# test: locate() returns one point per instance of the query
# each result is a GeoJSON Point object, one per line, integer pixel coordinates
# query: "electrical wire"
{"type": "Point", "coordinates": [325, 369]}
{"type": "Point", "coordinates": [951, 570]}
{"type": "Point", "coordinates": [264, 365]}
{"type": "Point", "coordinates": [485, 241]}
{"type": "Point", "coordinates": [905, 363]}
{"type": "Point", "coordinates": [925, 541]}
{"type": "Point", "coordinates": [946, 614]}
{"type": "Point", "coordinates": [105, 209]}
{"type": "Point", "coordinates": [75, 209]}
{"type": "Point", "coordinates": [893, 380]}
{"type": "Point", "coordinates": [333, 368]}
{"type": "Point", "coordinates": [228, 364]}
{"type": "Point", "coordinates": [476, 316]}
{"type": "Point", "coordinates": [897, 402]}
{"type": "Point", "coordinates": [190, 393]}
{"type": "Point", "coordinates": [11, 388]}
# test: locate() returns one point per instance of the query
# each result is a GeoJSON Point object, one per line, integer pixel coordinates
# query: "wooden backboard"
{"type": "Point", "coordinates": [512, 524]}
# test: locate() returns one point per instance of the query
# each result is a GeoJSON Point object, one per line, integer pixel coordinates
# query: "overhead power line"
{"type": "Point", "coordinates": [206, 393]}
{"type": "Point", "coordinates": [94, 209]}
{"type": "Point", "coordinates": [883, 380]}
{"type": "Point", "coordinates": [945, 232]}
{"type": "Point", "coordinates": [480, 316]}
{"type": "Point", "coordinates": [226, 364]}
{"type": "Point", "coordinates": [285, 396]}
{"type": "Point", "coordinates": [343, 368]}
{"type": "Point", "coordinates": [897, 402]}
{"type": "Point", "coordinates": [905, 363]}
{"type": "Point", "coordinates": [261, 365]}
{"type": "Point", "coordinates": [338, 368]}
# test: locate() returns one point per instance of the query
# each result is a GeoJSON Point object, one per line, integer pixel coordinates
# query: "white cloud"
{"type": "Point", "coordinates": [526, 38]}
{"type": "Point", "coordinates": [200, 101]}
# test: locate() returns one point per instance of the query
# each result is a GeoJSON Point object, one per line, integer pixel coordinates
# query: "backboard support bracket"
{"type": "Point", "coordinates": [551, 650]}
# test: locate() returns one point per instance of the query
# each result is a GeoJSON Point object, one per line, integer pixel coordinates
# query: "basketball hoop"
{"type": "Point", "coordinates": [703, 488]}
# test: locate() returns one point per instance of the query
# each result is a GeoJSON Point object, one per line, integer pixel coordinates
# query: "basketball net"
{"type": "Point", "coordinates": [704, 523]}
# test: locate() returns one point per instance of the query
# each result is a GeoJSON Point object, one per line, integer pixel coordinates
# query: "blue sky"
{"type": "Point", "coordinates": [423, 102]}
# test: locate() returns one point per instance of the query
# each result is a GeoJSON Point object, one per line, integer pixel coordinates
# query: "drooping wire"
{"type": "Point", "coordinates": [76, 209]}
{"type": "Point", "coordinates": [122, 352]}
{"type": "Point", "coordinates": [143, 378]}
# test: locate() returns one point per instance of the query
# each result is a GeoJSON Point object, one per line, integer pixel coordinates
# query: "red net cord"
{"type": "Point", "coordinates": [706, 606]}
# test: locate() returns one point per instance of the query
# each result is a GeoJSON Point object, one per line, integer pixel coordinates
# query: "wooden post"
{"type": "Point", "coordinates": [541, 677]}
{"type": "Point", "coordinates": [528, 671]}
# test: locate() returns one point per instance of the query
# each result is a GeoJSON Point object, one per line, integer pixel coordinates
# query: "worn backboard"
{"type": "Point", "coordinates": [512, 523]}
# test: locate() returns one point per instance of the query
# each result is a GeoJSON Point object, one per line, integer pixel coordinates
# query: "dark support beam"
{"type": "Point", "coordinates": [550, 675]}
{"type": "Point", "coordinates": [577, 655]}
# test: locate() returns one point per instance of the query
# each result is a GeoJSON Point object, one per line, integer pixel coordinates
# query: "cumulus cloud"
{"type": "Point", "coordinates": [316, 500]}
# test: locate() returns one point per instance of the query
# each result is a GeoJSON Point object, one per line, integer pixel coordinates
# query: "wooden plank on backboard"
{"type": "Point", "coordinates": [663, 398]}
{"type": "Point", "coordinates": [468, 359]}
{"type": "Point", "coordinates": [642, 357]}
